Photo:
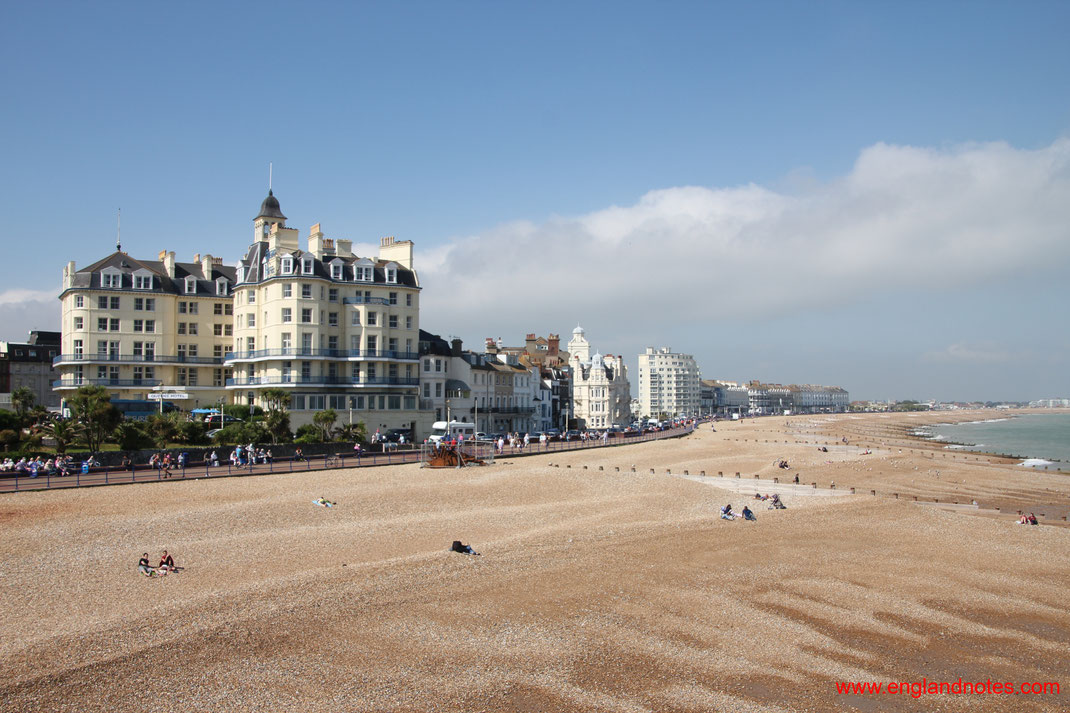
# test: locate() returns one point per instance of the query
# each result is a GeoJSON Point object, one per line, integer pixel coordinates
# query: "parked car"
{"type": "Point", "coordinates": [219, 420]}
{"type": "Point", "coordinates": [394, 435]}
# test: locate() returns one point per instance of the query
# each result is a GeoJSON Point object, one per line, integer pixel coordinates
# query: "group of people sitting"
{"type": "Point", "coordinates": [60, 465]}
{"type": "Point", "coordinates": [728, 514]}
{"type": "Point", "coordinates": [246, 455]}
{"type": "Point", "coordinates": [773, 500]}
{"type": "Point", "coordinates": [1029, 519]}
{"type": "Point", "coordinates": [166, 566]}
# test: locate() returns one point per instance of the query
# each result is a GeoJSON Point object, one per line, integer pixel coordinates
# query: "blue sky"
{"type": "Point", "coordinates": [541, 151]}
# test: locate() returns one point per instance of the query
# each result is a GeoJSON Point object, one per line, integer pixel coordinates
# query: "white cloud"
{"type": "Point", "coordinates": [22, 310]}
{"type": "Point", "coordinates": [970, 354]}
{"type": "Point", "coordinates": [904, 217]}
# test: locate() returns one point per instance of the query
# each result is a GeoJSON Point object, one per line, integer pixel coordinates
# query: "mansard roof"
{"type": "Point", "coordinates": [259, 251]}
{"type": "Point", "coordinates": [88, 278]}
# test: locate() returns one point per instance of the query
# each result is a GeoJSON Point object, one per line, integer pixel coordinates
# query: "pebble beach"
{"type": "Point", "coordinates": [598, 587]}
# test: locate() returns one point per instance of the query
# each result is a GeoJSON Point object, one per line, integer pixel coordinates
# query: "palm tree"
{"type": "Point", "coordinates": [352, 431]}
{"type": "Point", "coordinates": [22, 399]}
{"type": "Point", "coordinates": [62, 431]}
{"type": "Point", "coordinates": [276, 399]}
{"type": "Point", "coordinates": [324, 420]}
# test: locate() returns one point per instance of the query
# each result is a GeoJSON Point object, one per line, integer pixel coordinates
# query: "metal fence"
{"type": "Point", "coordinates": [116, 475]}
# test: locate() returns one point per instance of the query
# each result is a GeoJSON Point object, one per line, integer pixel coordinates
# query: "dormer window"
{"type": "Point", "coordinates": [363, 271]}
{"type": "Point", "coordinates": [391, 274]}
{"type": "Point", "coordinates": [287, 266]}
{"type": "Point", "coordinates": [306, 266]}
{"type": "Point", "coordinates": [239, 274]}
{"type": "Point", "coordinates": [191, 285]}
{"type": "Point", "coordinates": [111, 279]}
{"type": "Point", "coordinates": [221, 286]}
{"type": "Point", "coordinates": [142, 282]}
{"type": "Point", "coordinates": [336, 270]}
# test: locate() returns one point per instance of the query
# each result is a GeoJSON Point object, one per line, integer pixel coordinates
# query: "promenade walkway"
{"type": "Point", "coordinates": [114, 475]}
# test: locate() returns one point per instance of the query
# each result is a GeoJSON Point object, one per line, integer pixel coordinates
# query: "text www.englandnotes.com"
{"type": "Point", "coordinates": [925, 687]}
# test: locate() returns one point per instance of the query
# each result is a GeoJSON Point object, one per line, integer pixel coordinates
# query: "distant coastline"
{"type": "Point", "coordinates": [1037, 440]}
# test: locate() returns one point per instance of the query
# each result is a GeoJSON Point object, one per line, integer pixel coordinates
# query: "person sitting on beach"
{"type": "Point", "coordinates": [747, 514]}
{"type": "Point", "coordinates": [775, 504]}
{"type": "Point", "coordinates": [462, 548]}
{"type": "Point", "coordinates": [1023, 520]}
{"type": "Point", "coordinates": [144, 567]}
{"type": "Point", "coordinates": [727, 514]}
{"type": "Point", "coordinates": [1033, 519]}
{"type": "Point", "coordinates": [167, 564]}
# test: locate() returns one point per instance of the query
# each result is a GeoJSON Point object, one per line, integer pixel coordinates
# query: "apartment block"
{"type": "Point", "coordinates": [668, 383]}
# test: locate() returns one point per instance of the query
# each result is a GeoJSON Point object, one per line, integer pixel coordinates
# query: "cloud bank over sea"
{"type": "Point", "coordinates": [683, 258]}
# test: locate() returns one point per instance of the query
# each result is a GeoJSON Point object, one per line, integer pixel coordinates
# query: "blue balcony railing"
{"type": "Point", "coordinates": [73, 383]}
{"type": "Point", "coordinates": [89, 357]}
{"type": "Point", "coordinates": [305, 353]}
{"type": "Point", "coordinates": [279, 380]}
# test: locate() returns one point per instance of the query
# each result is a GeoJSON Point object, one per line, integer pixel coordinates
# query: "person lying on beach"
{"type": "Point", "coordinates": [727, 514]}
{"type": "Point", "coordinates": [747, 514]}
{"type": "Point", "coordinates": [462, 548]}
{"type": "Point", "coordinates": [144, 567]}
{"type": "Point", "coordinates": [323, 503]}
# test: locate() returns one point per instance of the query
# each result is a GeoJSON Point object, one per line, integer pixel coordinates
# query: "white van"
{"type": "Point", "coordinates": [453, 430]}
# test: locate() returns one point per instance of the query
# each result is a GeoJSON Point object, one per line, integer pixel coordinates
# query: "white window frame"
{"type": "Point", "coordinates": [111, 278]}
{"type": "Point", "coordinates": [287, 265]}
{"type": "Point", "coordinates": [306, 266]}
{"type": "Point", "coordinates": [191, 286]}
{"type": "Point", "coordinates": [221, 286]}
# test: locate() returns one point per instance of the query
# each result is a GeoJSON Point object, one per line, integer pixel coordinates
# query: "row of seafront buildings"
{"type": "Point", "coordinates": [341, 331]}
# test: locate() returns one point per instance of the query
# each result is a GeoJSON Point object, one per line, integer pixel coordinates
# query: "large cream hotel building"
{"type": "Point", "coordinates": [334, 329]}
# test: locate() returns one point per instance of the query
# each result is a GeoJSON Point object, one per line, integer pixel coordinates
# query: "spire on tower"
{"type": "Point", "coordinates": [118, 231]}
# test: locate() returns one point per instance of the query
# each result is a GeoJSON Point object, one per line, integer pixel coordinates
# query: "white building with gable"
{"type": "Point", "coordinates": [601, 394]}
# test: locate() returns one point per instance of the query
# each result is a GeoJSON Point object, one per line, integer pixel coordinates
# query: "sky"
{"type": "Point", "coordinates": [873, 195]}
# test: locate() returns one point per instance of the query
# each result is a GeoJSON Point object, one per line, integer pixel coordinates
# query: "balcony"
{"type": "Point", "coordinates": [74, 383]}
{"type": "Point", "coordinates": [280, 380]}
{"type": "Point", "coordinates": [509, 409]}
{"type": "Point", "coordinates": [365, 301]}
{"type": "Point", "coordinates": [88, 358]}
{"type": "Point", "coordinates": [309, 353]}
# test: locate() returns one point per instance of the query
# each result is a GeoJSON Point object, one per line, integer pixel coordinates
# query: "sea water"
{"type": "Point", "coordinates": [1042, 439]}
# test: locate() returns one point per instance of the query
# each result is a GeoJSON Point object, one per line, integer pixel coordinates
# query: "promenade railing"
{"type": "Point", "coordinates": [119, 475]}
